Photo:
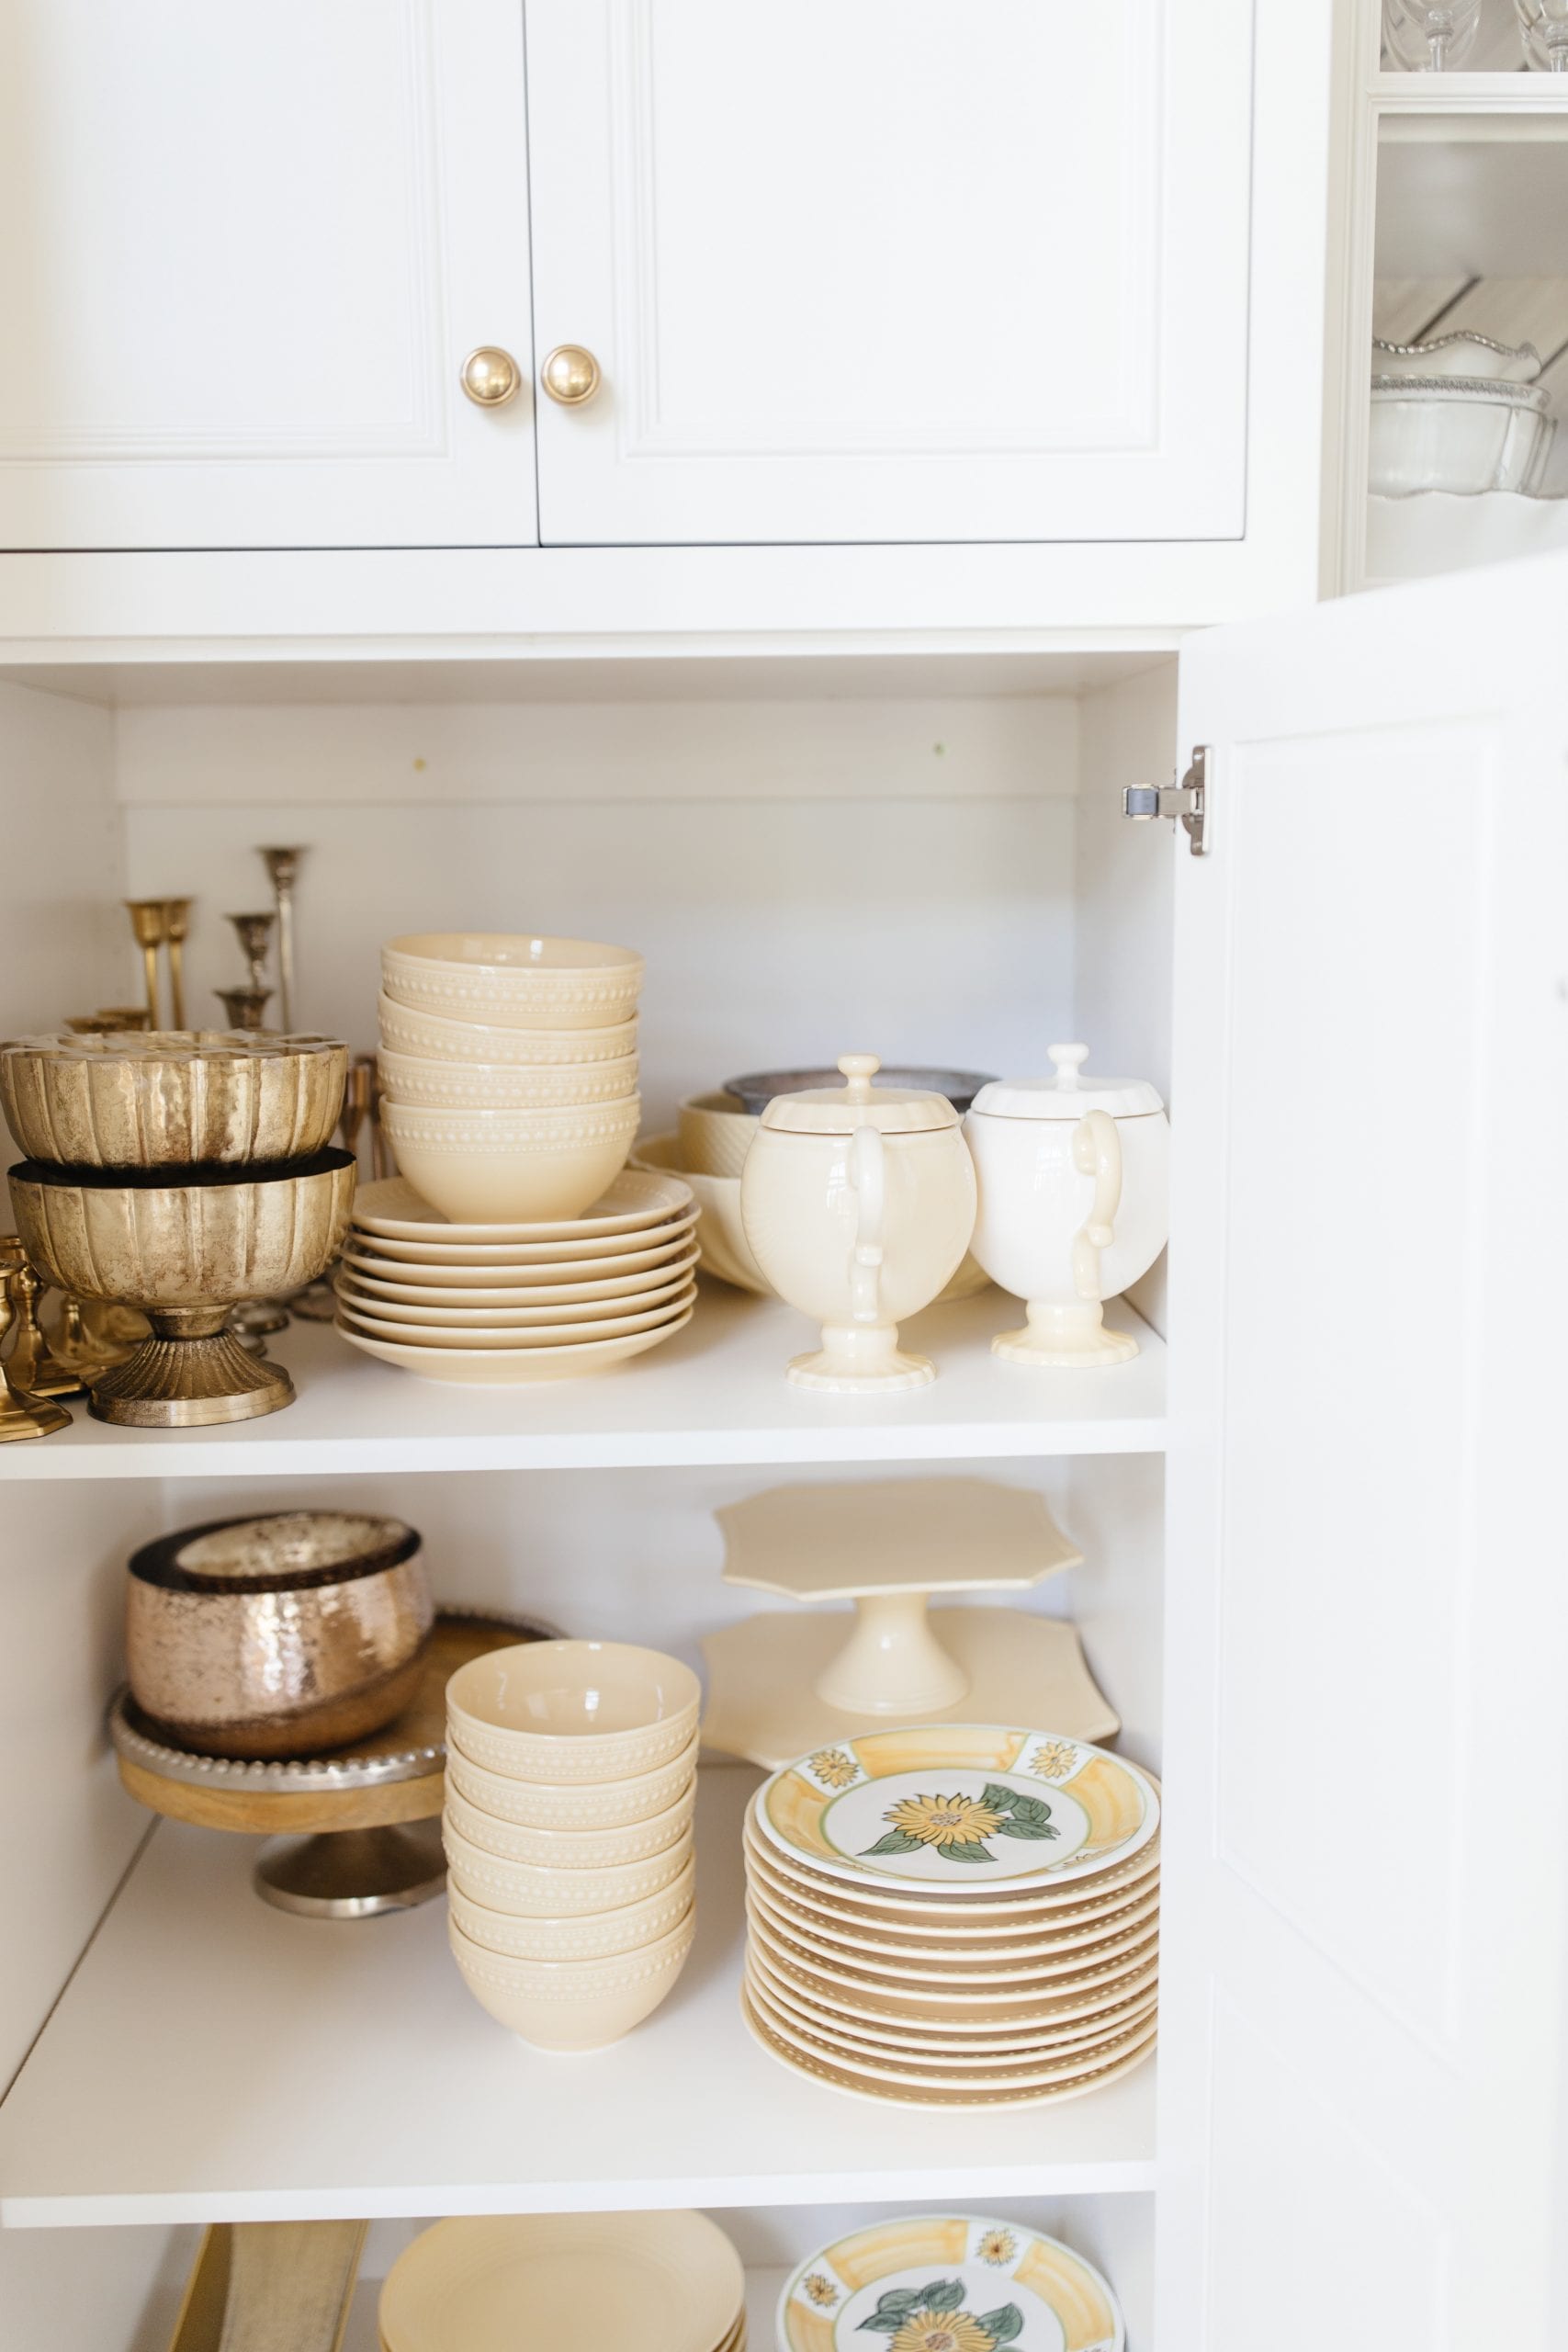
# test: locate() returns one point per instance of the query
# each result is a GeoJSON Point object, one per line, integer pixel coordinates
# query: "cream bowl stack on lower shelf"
{"type": "Point", "coordinates": [570, 1785]}
{"type": "Point", "coordinates": [540, 1128]}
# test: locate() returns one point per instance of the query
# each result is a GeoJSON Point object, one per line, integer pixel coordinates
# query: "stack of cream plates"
{"type": "Point", "coordinates": [948, 2282]}
{"type": "Point", "coordinates": [955, 1915]}
{"type": "Point", "coordinates": [549, 2282]}
{"type": "Point", "coordinates": [498, 1304]}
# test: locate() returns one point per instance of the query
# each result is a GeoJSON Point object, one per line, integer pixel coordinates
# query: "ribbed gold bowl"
{"type": "Point", "coordinates": [185, 1253]}
{"type": "Point", "coordinates": [172, 1098]}
{"type": "Point", "coordinates": [280, 1635]}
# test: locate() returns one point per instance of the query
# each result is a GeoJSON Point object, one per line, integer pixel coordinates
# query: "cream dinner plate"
{"type": "Point", "coordinates": [637, 1197]}
{"type": "Point", "coordinates": [819, 2010]}
{"type": "Point", "coordinates": [943, 2050]}
{"type": "Point", "coordinates": [959, 1805]}
{"type": "Point", "coordinates": [354, 1288]}
{"type": "Point", "coordinates": [967, 1964]}
{"type": "Point", "coordinates": [511, 1367]}
{"type": "Point", "coordinates": [489, 1262]}
{"type": "Point", "coordinates": [1029, 1938]}
{"type": "Point", "coordinates": [944, 1926]}
{"type": "Point", "coordinates": [665, 2283]}
{"type": "Point", "coordinates": [957, 2102]}
{"type": "Point", "coordinates": [1012, 2073]}
{"type": "Point", "coordinates": [933, 1985]}
{"type": "Point", "coordinates": [513, 1335]}
{"type": "Point", "coordinates": [850, 1996]}
{"type": "Point", "coordinates": [995, 2281]}
{"type": "Point", "coordinates": [518, 1288]}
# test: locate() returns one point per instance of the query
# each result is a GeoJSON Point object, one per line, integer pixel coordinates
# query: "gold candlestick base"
{"type": "Point", "coordinates": [21, 1415]}
{"type": "Point", "coordinates": [34, 1366]}
{"type": "Point", "coordinates": [75, 1345]}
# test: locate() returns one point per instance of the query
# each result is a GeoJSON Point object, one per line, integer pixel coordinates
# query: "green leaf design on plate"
{"type": "Point", "coordinates": [897, 1841]}
{"type": "Point", "coordinates": [957, 1853]}
{"type": "Point", "coordinates": [1025, 1829]}
{"type": "Point", "coordinates": [892, 2310]}
{"type": "Point", "coordinates": [941, 2295]}
{"type": "Point", "coordinates": [1002, 2325]}
{"type": "Point", "coordinates": [1031, 1809]}
{"type": "Point", "coordinates": [999, 1799]}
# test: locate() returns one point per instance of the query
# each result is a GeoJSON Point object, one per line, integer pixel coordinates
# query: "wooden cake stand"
{"type": "Point", "coordinates": [352, 1833]}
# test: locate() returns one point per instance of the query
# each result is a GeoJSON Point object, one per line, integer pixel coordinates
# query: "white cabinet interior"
{"type": "Point", "coordinates": [246, 252]}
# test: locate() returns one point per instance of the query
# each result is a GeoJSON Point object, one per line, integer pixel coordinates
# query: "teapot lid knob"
{"type": "Point", "coordinates": [860, 1070]}
{"type": "Point", "coordinates": [1068, 1061]}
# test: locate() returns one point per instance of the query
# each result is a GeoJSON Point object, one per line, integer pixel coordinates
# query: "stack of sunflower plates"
{"type": "Point", "coordinates": [550, 2282]}
{"type": "Point", "coordinates": [948, 2282]}
{"type": "Point", "coordinates": [494, 1304]}
{"type": "Point", "coordinates": [955, 1915]}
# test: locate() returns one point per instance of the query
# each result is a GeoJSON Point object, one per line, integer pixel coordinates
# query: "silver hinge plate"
{"type": "Point", "coordinates": [1187, 802]}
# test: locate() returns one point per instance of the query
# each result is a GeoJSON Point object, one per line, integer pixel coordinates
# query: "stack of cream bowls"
{"type": "Point", "coordinates": [955, 1915]}
{"type": "Point", "coordinates": [485, 1305]}
{"type": "Point", "coordinates": [570, 1784]}
{"type": "Point", "coordinates": [508, 1069]}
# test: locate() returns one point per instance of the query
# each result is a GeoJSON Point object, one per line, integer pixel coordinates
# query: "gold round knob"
{"type": "Point", "coordinates": [490, 376]}
{"type": "Point", "coordinates": [570, 375]}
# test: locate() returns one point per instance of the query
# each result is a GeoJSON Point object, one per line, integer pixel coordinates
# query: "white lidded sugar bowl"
{"type": "Point", "coordinates": [1075, 1180]}
{"type": "Point", "coordinates": [858, 1203]}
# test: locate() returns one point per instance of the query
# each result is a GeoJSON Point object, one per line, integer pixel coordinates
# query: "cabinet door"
{"type": "Point", "coordinates": [893, 271]}
{"type": "Point", "coordinates": [1362, 2037]}
{"type": "Point", "coordinates": [244, 252]}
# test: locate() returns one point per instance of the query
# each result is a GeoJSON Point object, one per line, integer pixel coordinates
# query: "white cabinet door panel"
{"type": "Point", "coordinates": [894, 271]}
{"type": "Point", "coordinates": [1363, 2015]}
{"type": "Point", "coordinates": [244, 252]}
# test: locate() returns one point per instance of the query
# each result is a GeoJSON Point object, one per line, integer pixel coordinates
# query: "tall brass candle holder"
{"type": "Point", "coordinates": [20, 1414]}
{"type": "Point", "coordinates": [150, 928]}
{"type": "Point", "coordinates": [34, 1365]}
{"type": "Point", "coordinates": [74, 1345]}
{"type": "Point", "coordinates": [177, 928]}
{"type": "Point", "coordinates": [283, 867]}
{"type": "Point", "coordinates": [244, 1008]}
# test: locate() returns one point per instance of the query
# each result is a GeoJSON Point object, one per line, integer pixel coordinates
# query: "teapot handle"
{"type": "Point", "coordinates": [1097, 1152]}
{"type": "Point", "coordinates": [867, 1174]}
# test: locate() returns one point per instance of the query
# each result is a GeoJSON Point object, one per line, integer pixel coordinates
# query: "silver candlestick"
{"type": "Point", "coordinates": [283, 865]}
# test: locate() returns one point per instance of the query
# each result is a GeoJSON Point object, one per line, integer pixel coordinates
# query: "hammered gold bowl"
{"type": "Point", "coordinates": [278, 1635]}
{"type": "Point", "coordinates": [172, 1098]}
{"type": "Point", "coordinates": [185, 1253]}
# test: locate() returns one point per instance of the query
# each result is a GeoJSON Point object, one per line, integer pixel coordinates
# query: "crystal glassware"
{"type": "Point", "coordinates": [1431, 36]}
{"type": "Point", "coordinates": [1543, 26]}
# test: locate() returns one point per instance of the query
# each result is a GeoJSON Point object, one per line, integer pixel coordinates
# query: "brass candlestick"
{"type": "Point", "coordinates": [252, 933]}
{"type": "Point", "coordinates": [177, 928]}
{"type": "Point", "coordinates": [33, 1364]}
{"type": "Point", "coordinates": [283, 865]}
{"type": "Point", "coordinates": [74, 1346]}
{"type": "Point", "coordinates": [245, 1007]}
{"type": "Point", "coordinates": [108, 1019]}
{"type": "Point", "coordinates": [21, 1415]}
{"type": "Point", "coordinates": [150, 928]}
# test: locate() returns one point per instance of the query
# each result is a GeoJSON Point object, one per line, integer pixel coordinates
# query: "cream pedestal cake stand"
{"type": "Point", "coordinates": [350, 1834]}
{"type": "Point", "coordinates": [781, 1684]}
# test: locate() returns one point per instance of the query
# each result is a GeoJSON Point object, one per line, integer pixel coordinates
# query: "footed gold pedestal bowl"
{"type": "Point", "coordinates": [185, 1253]}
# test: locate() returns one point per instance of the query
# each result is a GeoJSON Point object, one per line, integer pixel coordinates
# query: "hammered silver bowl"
{"type": "Point", "coordinates": [280, 1635]}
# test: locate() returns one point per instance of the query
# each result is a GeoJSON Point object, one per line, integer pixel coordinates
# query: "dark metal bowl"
{"type": "Point", "coordinates": [758, 1088]}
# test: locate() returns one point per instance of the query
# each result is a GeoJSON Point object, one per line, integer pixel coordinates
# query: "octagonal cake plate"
{"type": "Point", "coordinates": [946, 1808]}
{"type": "Point", "coordinates": [984, 2283]}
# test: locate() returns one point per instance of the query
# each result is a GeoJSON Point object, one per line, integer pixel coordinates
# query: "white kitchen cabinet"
{"type": "Point", "coordinates": [893, 272]}
{"type": "Point", "coordinates": [246, 252]}
{"type": "Point", "coordinates": [1349, 1679]}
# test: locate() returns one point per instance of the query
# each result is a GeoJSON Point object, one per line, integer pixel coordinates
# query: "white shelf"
{"type": "Point", "coordinates": [212, 2059]}
{"type": "Point", "coordinates": [716, 1395]}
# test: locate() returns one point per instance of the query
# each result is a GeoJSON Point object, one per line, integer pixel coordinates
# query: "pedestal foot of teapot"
{"type": "Point", "coordinates": [856, 1360]}
{"type": "Point", "coordinates": [1068, 1338]}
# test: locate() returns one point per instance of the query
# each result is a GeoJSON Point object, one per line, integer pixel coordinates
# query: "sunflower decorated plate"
{"type": "Point", "coordinates": [1078, 2018]}
{"type": "Point", "coordinates": [948, 2283]}
{"type": "Point", "coordinates": [1006, 1918]}
{"type": "Point", "coordinates": [942, 1807]}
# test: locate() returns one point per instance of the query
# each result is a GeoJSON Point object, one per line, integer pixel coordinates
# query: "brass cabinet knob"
{"type": "Point", "coordinates": [490, 376]}
{"type": "Point", "coordinates": [570, 375]}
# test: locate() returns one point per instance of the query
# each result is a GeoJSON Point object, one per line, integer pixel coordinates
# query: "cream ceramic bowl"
{"type": "Point", "coordinates": [720, 1232]}
{"type": "Point", "coordinates": [570, 1712]}
{"type": "Point", "coordinates": [513, 979]}
{"type": "Point", "coordinates": [595, 1935]}
{"type": "Point", "coordinates": [503, 1086]}
{"type": "Point", "coordinates": [572, 2004]}
{"type": "Point", "coordinates": [598, 1805]}
{"type": "Point", "coordinates": [572, 1849]}
{"type": "Point", "coordinates": [528, 1892]}
{"type": "Point", "coordinates": [475, 1165]}
{"type": "Point", "coordinates": [714, 1133]}
{"type": "Point", "coordinates": [427, 1037]}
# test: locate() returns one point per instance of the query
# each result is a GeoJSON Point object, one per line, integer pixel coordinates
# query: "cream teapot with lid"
{"type": "Point", "coordinates": [1074, 1177]}
{"type": "Point", "coordinates": [858, 1203]}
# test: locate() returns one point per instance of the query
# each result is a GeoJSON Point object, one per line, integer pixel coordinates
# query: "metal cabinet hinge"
{"type": "Point", "coordinates": [1187, 801]}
